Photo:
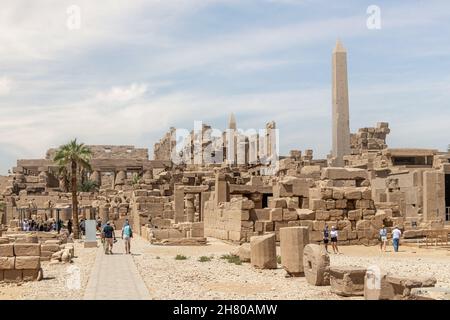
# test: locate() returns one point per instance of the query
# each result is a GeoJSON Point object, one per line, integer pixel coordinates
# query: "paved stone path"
{"type": "Point", "coordinates": [115, 277]}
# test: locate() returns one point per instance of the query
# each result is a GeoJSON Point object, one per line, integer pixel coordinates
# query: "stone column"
{"type": "Point", "coordinates": [96, 177]}
{"type": "Point", "coordinates": [120, 178]}
{"type": "Point", "coordinates": [190, 207]}
{"type": "Point", "coordinates": [433, 195]}
{"type": "Point", "coordinates": [221, 189]}
{"type": "Point", "coordinates": [292, 242]}
{"type": "Point", "coordinates": [104, 213]}
{"type": "Point", "coordinates": [179, 204]}
{"type": "Point", "coordinates": [148, 175]}
{"type": "Point", "coordinates": [340, 115]}
{"type": "Point", "coordinates": [263, 252]}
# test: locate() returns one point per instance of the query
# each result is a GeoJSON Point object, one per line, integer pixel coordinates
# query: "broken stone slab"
{"type": "Point", "coordinates": [430, 293]}
{"type": "Point", "coordinates": [243, 252]}
{"type": "Point", "coordinates": [338, 173]}
{"type": "Point", "coordinates": [347, 281]}
{"type": "Point", "coordinates": [292, 242]}
{"type": "Point", "coordinates": [402, 286]}
{"type": "Point", "coordinates": [316, 263]}
{"type": "Point", "coordinates": [263, 251]}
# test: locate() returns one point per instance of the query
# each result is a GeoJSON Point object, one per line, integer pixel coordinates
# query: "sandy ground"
{"type": "Point", "coordinates": [168, 278]}
{"type": "Point", "coordinates": [57, 282]}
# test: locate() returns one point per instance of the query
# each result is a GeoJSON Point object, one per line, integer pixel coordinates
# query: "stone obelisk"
{"type": "Point", "coordinates": [341, 122]}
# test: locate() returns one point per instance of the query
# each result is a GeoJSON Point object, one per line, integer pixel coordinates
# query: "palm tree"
{"type": "Point", "coordinates": [76, 156]}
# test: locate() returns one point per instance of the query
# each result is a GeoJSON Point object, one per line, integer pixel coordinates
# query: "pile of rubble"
{"type": "Point", "coordinates": [300, 258]}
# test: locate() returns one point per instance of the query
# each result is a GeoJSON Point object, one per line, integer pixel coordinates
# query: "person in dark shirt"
{"type": "Point", "coordinates": [110, 236]}
{"type": "Point", "coordinates": [69, 226]}
{"type": "Point", "coordinates": [326, 237]}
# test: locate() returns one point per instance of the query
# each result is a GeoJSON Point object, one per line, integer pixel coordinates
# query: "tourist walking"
{"type": "Point", "coordinates": [334, 239]}
{"type": "Point", "coordinates": [69, 226]}
{"type": "Point", "coordinates": [109, 236]}
{"type": "Point", "coordinates": [127, 234]}
{"type": "Point", "coordinates": [83, 227]}
{"type": "Point", "coordinates": [326, 237]}
{"type": "Point", "coordinates": [396, 234]}
{"type": "Point", "coordinates": [383, 238]}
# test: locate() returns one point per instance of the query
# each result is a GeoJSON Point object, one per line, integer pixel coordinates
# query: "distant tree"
{"type": "Point", "coordinates": [74, 155]}
{"type": "Point", "coordinates": [136, 180]}
{"type": "Point", "coordinates": [87, 186]}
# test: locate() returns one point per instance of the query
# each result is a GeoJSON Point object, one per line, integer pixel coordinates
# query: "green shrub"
{"type": "Point", "coordinates": [204, 259]}
{"type": "Point", "coordinates": [279, 259]}
{"type": "Point", "coordinates": [180, 257]}
{"type": "Point", "coordinates": [231, 258]}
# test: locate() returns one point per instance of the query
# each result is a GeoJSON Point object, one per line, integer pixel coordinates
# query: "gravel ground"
{"type": "Point", "coordinates": [168, 278]}
{"type": "Point", "coordinates": [54, 286]}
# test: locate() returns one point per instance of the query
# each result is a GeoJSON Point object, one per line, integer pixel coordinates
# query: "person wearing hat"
{"type": "Point", "coordinates": [334, 239]}
{"type": "Point", "coordinates": [110, 237]}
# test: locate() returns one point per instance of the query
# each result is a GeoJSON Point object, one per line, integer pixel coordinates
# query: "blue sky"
{"type": "Point", "coordinates": [135, 68]}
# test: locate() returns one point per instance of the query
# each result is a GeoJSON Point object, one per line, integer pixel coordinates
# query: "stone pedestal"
{"type": "Point", "coordinates": [263, 252]}
{"type": "Point", "coordinates": [316, 263]}
{"type": "Point", "coordinates": [292, 242]}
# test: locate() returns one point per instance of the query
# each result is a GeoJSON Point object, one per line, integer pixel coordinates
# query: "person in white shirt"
{"type": "Point", "coordinates": [334, 239]}
{"type": "Point", "coordinates": [396, 234]}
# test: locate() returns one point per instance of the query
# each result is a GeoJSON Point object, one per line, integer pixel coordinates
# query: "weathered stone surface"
{"type": "Point", "coordinates": [243, 252]}
{"type": "Point", "coordinates": [12, 275]}
{"type": "Point", "coordinates": [337, 173]}
{"type": "Point", "coordinates": [27, 249]}
{"type": "Point", "coordinates": [306, 214]}
{"type": "Point", "coordinates": [276, 214]}
{"type": "Point", "coordinates": [289, 215]}
{"type": "Point", "coordinates": [347, 281]}
{"type": "Point", "coordinates": [32, 274]}
{"type": "Point", "coordinates": [352, 194]}
{"type": "Point", "coordinates": [292, 242]}
{"type": "Point", "coordinates": [402, 286]}
{"type": "Point", "coordinates": [322, 215]}
{"type": "Point", "coordinates": [430, 294]}
{"type": "Point", "coordinates": [27, 262]}
{"type": "Point", "coordinates": [316, 264]}
{"type": "Point", "coordinates": [277, 203]}
{"type": "Point", "coordinates": [263, 251]}
{"type": "Point", "coordinates": [7, 263]}
{"type": "Point", "coordinates": [7, 250]}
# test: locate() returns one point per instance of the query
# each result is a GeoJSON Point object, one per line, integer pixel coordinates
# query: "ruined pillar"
{"type": "Point", "coordinates": [96, 178]}
{"type": "Point", "coordinates": [190, 207]}
{"type": "Point", "coordinates": [316, 264]}
{"type": "Point", "coordinates": [433, 196]}
{"type": "Point", "coordinates": [104, 213]}
{"type": "Point", "coordinates": [179, 203]}
{"type": "Point", "coordinates": [147, 176]}
{"type": "Point", "coordinates": [340, 116]}
{"type": "Point", "coordinates": [263, 254]}
{"type": "Point", "coordinates": [292, 242]}
{"type": "Point", "coordinates": [221, 189]}
{"type": "Point", "coordinates": [120, 178]}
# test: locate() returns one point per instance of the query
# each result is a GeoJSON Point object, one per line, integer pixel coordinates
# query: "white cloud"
{"type": "Point", "coordinates": [123, 94]}
{"type": "Point", "coordinates": [5, 86]}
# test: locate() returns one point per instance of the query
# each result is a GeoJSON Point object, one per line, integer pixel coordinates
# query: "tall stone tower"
{"type": "Point", "coordinates": [341, 122]}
